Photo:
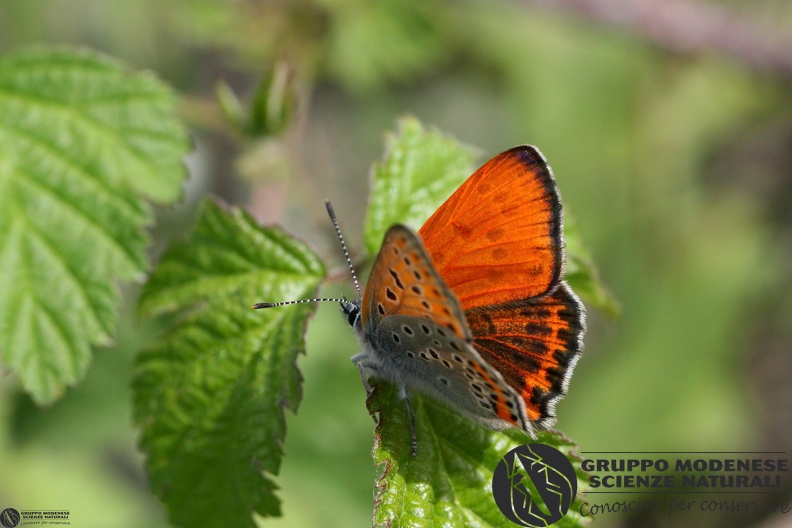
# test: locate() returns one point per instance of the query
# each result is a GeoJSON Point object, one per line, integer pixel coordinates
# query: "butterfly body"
{"type": "Point", "coordinates": [472, 309]}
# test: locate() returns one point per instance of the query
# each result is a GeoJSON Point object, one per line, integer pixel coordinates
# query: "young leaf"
{"type": "Point", "coordinates": [420, 169]}
{"type": "Point", "coordinates": [210, 394]}
{"type": "Point", "coordinates": [82, 142]}
{"type": "Point", "coordinates": [449, 483]}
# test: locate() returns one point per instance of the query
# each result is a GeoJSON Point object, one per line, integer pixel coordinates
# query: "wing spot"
{"type": "Point", "coordinates": [476, 387]}
{"type": "Point", "coordinates": [411, 355]}
{"type": "Point", "coordinates": [426, 304]}
{"type": "Point", "coordinates": [456, 347]}
{"type": "Point", "coordinates": [380, 309]}
{"type": "Point", "coordinates": [446, 311]}
{"type": "Point", "coordinates": [396, 338]}
{"type": "Point", "coordinates": [437, 343]}
{"type": "Point", "coordinates": [418, 275]}
{"type": "Point", "coordinates": [441, 332]}
{"type": "Point", "coordinates": [499, 253]}
{"type": "Point", "coordinates": [470, 376]}
{"type": "Point", "coordinates": [396, 278]}
{"type": "Point", "coordinates": [407, 330]}
{"type": "Point", "coordinates": [493, 235]}
{"type": "Point", "coordinates": [424, 356]}
{"type": "Point", "coordinates": [510, 404]}
{"type": "Point", "coordinates": [443, 381]}
{"type": "Point", "coordinates": [494, 397]}
{"type": "Point", "coordinates": [417, 290]}
{"type": "Point", "coordinates": [457, 357]}
{"type": "Point", "coordinates": [426, 330]}
{"type": "Point", "coordinates": [446, 364]}
{"type": "Point", "coordinates": [433, 353]}
{"type": "Point", "coordinates": [392, 296]}
{"type": "Point", "coordinates": [513, 417]}
{"type": "Point", "coordinates": [485, 404]}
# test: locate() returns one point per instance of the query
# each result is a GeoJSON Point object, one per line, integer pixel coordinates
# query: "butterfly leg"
{"type": "Point", "coordinates": [406, 397]}
{"type": "Point", "coordinates": [364, 368]}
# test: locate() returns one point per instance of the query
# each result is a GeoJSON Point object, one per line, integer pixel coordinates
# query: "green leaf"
{"type": "Point", "coordinates": [449, 483]}
{"type": "Point", "coordinates": [582, 274]}
{"type": "Point", "coordinates": [82, 142]}
{"type": "Point", "coordinates": [421, 168]}
{"type": "Point", "coordinates": [210, 393]}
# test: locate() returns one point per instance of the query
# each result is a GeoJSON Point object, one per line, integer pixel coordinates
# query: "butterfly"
{"type": "Point", "coordinates": [472, 310]}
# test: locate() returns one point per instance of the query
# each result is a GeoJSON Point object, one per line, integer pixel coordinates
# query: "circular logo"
{"type": "Point", "coordinates": [534, 485]}
{"type": "Point", "coordinates": [9, 517]}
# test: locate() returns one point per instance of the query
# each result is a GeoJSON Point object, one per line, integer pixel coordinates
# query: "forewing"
{"type": "Point", "coordinates": [498, 237]}
{"type": "Point", "coordinates": [404, 282]}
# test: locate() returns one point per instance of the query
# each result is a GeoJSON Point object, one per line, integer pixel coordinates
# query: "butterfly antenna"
{"type": "Point", "coordinates": [259, 306]}
{"type": "Point", "coordinates": [343, 245]}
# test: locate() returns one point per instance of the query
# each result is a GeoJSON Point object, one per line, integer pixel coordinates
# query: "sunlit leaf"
{"type": "Point", "coordinates": [449, 482]}
{"type": "Point", "coordinates": [82, 142]}
{"type": "Point", "coordinates": [210, 394]}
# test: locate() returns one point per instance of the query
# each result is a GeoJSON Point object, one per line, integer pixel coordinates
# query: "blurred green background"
{"type": "Point", "coordinates": [675, 167]}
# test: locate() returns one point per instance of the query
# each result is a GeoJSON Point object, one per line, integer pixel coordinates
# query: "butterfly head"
{"type": "Point", "coordinates": [351, 310]}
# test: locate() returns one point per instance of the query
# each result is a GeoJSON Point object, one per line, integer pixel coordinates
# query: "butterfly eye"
{"type": "Point", "coordinates": [352, 313]}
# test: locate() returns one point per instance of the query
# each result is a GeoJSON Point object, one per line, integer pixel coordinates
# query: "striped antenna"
{"type": "Point", "coordinates": [331, 212]}
{"type": "Point", "coordinates": [259, 306]}
{"type": "Point", "coordinates": [343, 246]}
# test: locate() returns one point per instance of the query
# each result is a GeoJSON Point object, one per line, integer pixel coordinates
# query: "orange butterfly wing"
{"type": "Point", "coordinates": [534, 344]}
{"type": "Point", "coordinates": [403, 282]}
{"type": "Point", "coordinates": [498, 237]}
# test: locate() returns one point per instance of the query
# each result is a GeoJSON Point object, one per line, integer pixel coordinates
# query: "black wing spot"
{"type": "Point", "coordinates": [426, 330]}
{"type": "Point", "coordinates": [446, 364]}
{"type": "Point", "coordinates": [457, 358]}
{"type": "Point", "coordinates": [380, 309]}
{"type": "Point", "coordinates": [424, 356]}
{"type": "Point", "coordinates": [456, 347]}
{"type": "Point", "coordinates": [444, 381]}
{"type": "Point", "coordinates": [433, 353]}
{"type": "Point", "coordinates": [396, 338]}
{"type": "Point", "coordinates": [418, 275]}
{"type": "Point", "coordinates": [476, 387]}
{"type": "Point", "coordinates": [407, 330]}
{"type": "Point", "coordinates": [392, 296]}
{"type": "Point", "coordinates": [396, 278]}
{"type": "Point", "coordinates": [417, 290]}
{"type": "Point", "coordinates": [441, 332]}
{"type": "Point", "coordinates": [410, 355]}
{"type": "Point", "coordinates": [426, 304]}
